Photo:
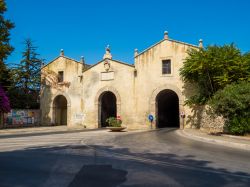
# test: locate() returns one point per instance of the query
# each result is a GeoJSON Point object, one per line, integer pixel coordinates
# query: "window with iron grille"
{"type": "Point", "coordinates": [166, 67]}
{"type": "Point", "coordinates": [60, 76]}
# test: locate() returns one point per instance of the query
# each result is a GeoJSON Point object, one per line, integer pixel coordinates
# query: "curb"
{"type": "Point", "coordinates": [214, 141]}
{"type": "Point", "coordinates": [236, 137]}
{"type": "Point", "coordinates": [41, 133]}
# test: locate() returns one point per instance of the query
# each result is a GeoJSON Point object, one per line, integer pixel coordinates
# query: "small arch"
{"type": "Point", "coordinates": [60, 110]}
{"type": "Point", "coordinates": [63, 94]}
{"type": "Point", "coordinates": [107, 107]}
{"type": "Point", "coordinates": [53, 108]}
{"type": "Point", "coordinates": [111, 89]}
{"type": "Point", "coordinates": [99, 94]}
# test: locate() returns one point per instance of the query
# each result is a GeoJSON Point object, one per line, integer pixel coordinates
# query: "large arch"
{"type": "Point", "coordinates": [153, 101]}
{"type": "Point", "coordinates": [167, 109]}
{"type": "Point", "coordinates": [53, 107]}
{"type": "Point", "coordinates": [98, 105]}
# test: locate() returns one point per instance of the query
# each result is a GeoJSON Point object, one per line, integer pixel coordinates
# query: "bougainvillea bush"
{"type": "Point", "coordinates": [4, 101]}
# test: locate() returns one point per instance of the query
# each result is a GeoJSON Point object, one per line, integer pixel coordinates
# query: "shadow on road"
{"type": "Point", "coordinates": [99, 175]}
{"type": "Point", "coordinates": [108, 166]}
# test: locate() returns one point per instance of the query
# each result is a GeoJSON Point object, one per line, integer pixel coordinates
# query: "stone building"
{"type": "Point", "coordinates": [74, 93]}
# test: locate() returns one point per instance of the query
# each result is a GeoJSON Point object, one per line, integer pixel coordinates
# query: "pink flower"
{"type": "Point", "coordinates": [4, 101]}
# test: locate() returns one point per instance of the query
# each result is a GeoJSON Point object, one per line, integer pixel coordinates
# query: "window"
{"type": "Point", "coordinates": [166, 67]}
{"type": "Point", "coordinates": [60, 76]}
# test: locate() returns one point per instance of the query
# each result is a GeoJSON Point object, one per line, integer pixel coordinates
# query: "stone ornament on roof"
{"type": "Point", "coordinates": [106, 65]}
{"type": "Point", "coordinates": [107, 53]}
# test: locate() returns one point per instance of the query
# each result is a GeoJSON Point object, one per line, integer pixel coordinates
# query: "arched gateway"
{"type": "Point", "coordinates": [60, 110]}
{"type": "Point", "coordinates": [166, 103]}
{"type": "Point", "coordinates": [167, 109]}
{"type": "Point", "coordinates": [107, 107]}
{"type": "Point", "coordinates": [104, 97]}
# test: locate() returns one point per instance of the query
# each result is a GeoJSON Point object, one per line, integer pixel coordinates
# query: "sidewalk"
{"type": "Point", "coordinates": [36, 131]}
{"type": "Point", "coordinates": [225, 140]}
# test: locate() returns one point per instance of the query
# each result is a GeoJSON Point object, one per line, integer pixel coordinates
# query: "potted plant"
{"type": "Point", "coordinates": [115, 123]}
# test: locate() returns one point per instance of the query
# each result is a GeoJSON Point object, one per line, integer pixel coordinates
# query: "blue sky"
{"type": "Point", "coordinates": [84, 28]}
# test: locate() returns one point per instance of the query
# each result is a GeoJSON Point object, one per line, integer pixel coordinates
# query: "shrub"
{"type": "Point", "coordinates": [239, 125]}
{"type": "Point", "coordinates": [114, 122]}
{"type": "Point", "coordinates": [233, 103]}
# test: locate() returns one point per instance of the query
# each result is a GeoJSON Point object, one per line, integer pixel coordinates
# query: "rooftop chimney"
{"type": "Point", "coordinates": [200, 43]}
{"type": "Point", "coordinates": [165, 35]}
{"type": "Point", "coordinates": [62, 52]}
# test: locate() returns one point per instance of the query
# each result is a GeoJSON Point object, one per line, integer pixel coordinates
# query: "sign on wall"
{"type": "Point", "coordinates": [79, 117]}
{"type": "Point", "coordinates": [106, 76]}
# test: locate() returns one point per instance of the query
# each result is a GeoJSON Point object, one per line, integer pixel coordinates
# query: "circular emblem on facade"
{"type": "Point", "coordinates": [106, 65]}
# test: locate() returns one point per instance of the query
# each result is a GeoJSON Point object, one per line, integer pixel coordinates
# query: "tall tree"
{"type": "Point", "coordinates": [27, 78]}
{"type": "Point", "coordinates": [5, 47]}
{"type": "Point", "coordinates": [28, 72]}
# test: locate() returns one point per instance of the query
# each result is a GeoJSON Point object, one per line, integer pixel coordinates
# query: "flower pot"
{"type": "Point", "coordinates": [116, 129]}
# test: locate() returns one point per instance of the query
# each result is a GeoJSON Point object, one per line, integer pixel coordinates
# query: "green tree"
{"type": "Point", "coordinates": [5, 78]}
{"type": "Point", "coordinates": [26, 77]}
{"type": "Point", "coordinates": [212, 68]}
{"type": "Point", "coordinates": [28, 72]}
{"type": "Point", "coordinates": [233, 103]}
{"type": "Point", "coordinates": [5, 47]}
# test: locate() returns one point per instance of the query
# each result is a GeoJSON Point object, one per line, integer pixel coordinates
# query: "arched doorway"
{"type": "Point", "coordinates": [60, 110]}
{"type": "Point", "coordinates": [107, 107]}
{"type": "Point", "coordinates": [167, 109]}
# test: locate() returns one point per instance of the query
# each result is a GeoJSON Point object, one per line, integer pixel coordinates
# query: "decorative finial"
{"type": "Point", "coordinates": [62, 52]}
{"type": "Point", "coordinates": [107, 53]}
{"type": "Point", "coordinates": [82, 60]}
{"type": "Point", "coordinates": [136, 52]}
{"type": "Point", "coordinates": [200, 43]}
{"type": "Point", "coordinates": [83, 63]}
{"type": "Point", "coordinates": [165, 35]}
{"type": "Point", "coordinates": [107, 48]}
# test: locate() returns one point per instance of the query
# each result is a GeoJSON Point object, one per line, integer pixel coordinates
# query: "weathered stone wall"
{"type": "Point", "coordinates": [201, 118]}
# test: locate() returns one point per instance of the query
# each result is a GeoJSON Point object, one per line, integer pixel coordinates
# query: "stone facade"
{"type": "Point", "coordinates": [135, 87]}
{"type": "Point", "coordinates": [204, 119]}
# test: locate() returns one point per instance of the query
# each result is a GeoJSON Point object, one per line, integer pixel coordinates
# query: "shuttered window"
{"type": "Point", "coordinates": [166, 67]}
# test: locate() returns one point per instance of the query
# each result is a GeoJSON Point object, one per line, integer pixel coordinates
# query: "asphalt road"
{"type": "Point", "coordinates": [106, 159]}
